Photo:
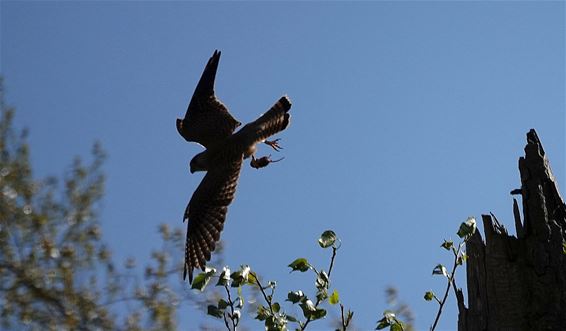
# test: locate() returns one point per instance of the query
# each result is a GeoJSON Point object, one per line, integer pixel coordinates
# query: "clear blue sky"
{"type": "Point", "coordinates": [407, 118]}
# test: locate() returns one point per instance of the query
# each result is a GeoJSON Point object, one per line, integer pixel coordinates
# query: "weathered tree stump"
{"type": "Point", "coordinates": [519, 283]}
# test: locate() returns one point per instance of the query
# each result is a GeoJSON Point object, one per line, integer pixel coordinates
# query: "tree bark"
{"type": "Point", "coordinates": [519, 283]}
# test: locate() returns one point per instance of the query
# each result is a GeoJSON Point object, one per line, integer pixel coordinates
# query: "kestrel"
{"type": "Point", "coordinates": [208, 122]}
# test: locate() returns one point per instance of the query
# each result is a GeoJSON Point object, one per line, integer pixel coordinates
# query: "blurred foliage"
{"type": "Point", "coordinates": [56, 273]}
{"type": "Point", "coordinates": [398, 308]}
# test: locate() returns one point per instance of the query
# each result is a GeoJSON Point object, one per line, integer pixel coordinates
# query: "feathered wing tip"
{"type": "Point", "coordinates": [206, 82]}
{"type": "Point", "coordinates": [284, 102]}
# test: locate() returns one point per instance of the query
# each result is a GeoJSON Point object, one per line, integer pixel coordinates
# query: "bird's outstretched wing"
{"type": "Point", "coordinates": [275, 120]}
{"type": "Point", "coordinates": [206, 213]}
{"type": "Point", "coordinates": [207, 121]}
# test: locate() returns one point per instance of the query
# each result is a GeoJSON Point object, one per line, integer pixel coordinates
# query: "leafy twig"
{"type": "Point", "coordinates": [268, 299]}
{"type": "Point", "coordinates": [450, 280]}
{"type": "Point", "coordinates": [319, 299]}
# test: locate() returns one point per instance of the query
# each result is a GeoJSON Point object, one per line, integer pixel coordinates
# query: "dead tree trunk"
{"type": "Point", "coordinates": [519, 283]}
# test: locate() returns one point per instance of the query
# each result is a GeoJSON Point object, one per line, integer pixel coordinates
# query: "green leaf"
{"type": "Point", "coordinates": [447, 244]}
{"type": "Point", "coordinates": [308, 308]}
{"type": "Point", "coordinates": [222, 304]}
{"type": "Point", "coordinates": [300, 264]}
{"type": "Point", "coordinates": [467, 228]}
{"type": "Point", "coordinates": [322, 280]}
{"type": "Point", "coordinates": [397, 326]}
{"type": "Point", "coordinates": [202, 279]}
{"type": "Point", "coordinates": [327, 239]}
{"type": "Point", "coordinates": [318, 314]}
{"type": "Point", "coordinates": [252, 278]}
{"type": "Point", "coordinates": [241, 276]}
{"type": "Point", "coordinates": [334, 298]}
{"type": "Point", "coordinates": [440, 270]}
{"type": "Point", "coordinates": [274, 323]}
{"type": "Point", "coordinates": [296, 296]}
{"type": "Point", "coordinates": [429, 295]}
{"type": "Point", "coordinates": [214, 311]}
{"type": "Point", "coordinates": [276, 307]}
{"type": "Point", "coordinates": [387, 320]}
{"type": "Point", "coordinates": [262, 313]}
{"type": "Point", "coordinates": [310, 311]}
{"type": "Point", "coordinates": [322, 294]}
{"type": "Point", "coordinates": [293, 319]}
{"type": "Point", "coordinates": [381, 324]}
{"type": "Point", "coordinates": [224, 278]}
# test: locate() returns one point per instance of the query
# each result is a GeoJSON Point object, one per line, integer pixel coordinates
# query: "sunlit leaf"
{"type": "Point", "coordinates": [397, 326]}
{"type": "Point", "coordinates": [429, 295]}
{"type": "Point", "coordinates": [308, 308]}
{"type": "Point", "coordinates": [276, 307]}
{"type": "Point", "coordinates": [241, 276]}
{"type": "Point", "coordinates": [440, 270]}
{"type": "Point", "coordinates": [296, 296]}
{"type": "Point", "coordinates": [300, 264]}
{"type": "Point", "coordinates": [236, 315]}
{"type": "Point", "coordinates": [447, 244]}
{"type": "Point", "coordinates": [467, 228]}
{"type": "Point", "coordinates": [334, 298]}
{"type": "Point", "coordinates": [262, 313]}
{"type": "Point", "coordinates": [202, 279]}
{"type": "Point", "coordinates": [318, 314]}
{"type": "Point", "coordinates": [327, 239]}
{"type": "Point", "coordinates": [322, 280]}
{"type": "Point", "coordinates": [387, 320]}
{"type": "Point", "coordinates": [224, 278]}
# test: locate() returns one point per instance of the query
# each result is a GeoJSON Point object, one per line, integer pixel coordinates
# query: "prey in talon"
{"type": "Point", "coordinates": [263, 161]}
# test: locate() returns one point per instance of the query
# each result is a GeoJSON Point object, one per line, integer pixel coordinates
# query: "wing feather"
{"type": "Point", "coordinates": [275, 120]}
{"type": "Point", "coordinates": [206, 213]}
{"type": "Point", "coordinates": [207, 121]}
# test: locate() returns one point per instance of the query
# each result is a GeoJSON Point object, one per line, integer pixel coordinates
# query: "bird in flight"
{"type": "Point", "coordinates": [208, 122]}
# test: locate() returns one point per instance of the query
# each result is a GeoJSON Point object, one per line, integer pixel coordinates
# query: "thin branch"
{"type": "Point", "coordinates": [231, 303]}
{"type": "Point", "coordinates": [226, 321]}
{"type": "Point", "coordinates": [267, 299]}
{"type": "Point", "coordinates": [450, 279]}
{"type": "Point", "coordinates": [344, 325]}
{"type": "Point", "coordinates": [332, 261]}
{"type": "Point", "coordinates": [318, 300]}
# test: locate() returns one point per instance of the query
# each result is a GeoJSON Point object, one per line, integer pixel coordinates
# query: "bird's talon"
{"type": "Point", "coordinates": [273, 144]}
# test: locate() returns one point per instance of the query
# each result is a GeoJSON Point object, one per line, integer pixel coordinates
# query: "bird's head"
{"type": "Point", "coordinates": [199, 162]}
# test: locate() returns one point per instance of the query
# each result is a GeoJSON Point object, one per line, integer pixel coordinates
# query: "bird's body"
{"type": "Point", "coordinates": [208, 122]}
